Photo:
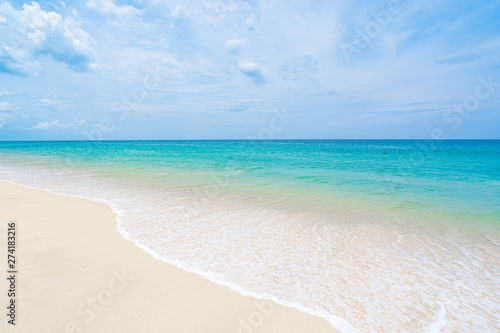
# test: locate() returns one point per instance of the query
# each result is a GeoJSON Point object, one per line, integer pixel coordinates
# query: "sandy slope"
{"type": "Point", "coordinates": [77, 274]}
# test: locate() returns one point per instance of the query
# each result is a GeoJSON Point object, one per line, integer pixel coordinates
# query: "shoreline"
{"type": "Point", "coordinates": [75, 279]}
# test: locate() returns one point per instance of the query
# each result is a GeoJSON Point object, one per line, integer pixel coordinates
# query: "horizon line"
{"type": "Point", "coordinates": [301, 139]}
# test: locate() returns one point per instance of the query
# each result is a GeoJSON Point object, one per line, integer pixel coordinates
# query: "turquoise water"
{"type": "Point", "coordinates": [330, 226]}
{"type": "Point", "coordinates": [441, 176]}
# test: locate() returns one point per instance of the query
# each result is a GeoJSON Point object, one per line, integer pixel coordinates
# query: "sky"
{"type": "Point", "coordinates": [235, 69]}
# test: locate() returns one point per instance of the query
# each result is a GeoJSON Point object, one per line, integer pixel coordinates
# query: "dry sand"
{"type": "Point", "coordinates": [76, 273]}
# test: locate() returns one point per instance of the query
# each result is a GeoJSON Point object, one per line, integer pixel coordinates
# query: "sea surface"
{"type": "Point", "coordinates": [373, 235]}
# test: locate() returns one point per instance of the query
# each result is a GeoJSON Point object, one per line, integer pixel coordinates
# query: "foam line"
{"type": "Point", "coordinates": [337, 322]}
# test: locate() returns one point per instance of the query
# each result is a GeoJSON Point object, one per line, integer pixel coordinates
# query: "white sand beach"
{"type": "Point", "coordinates": [76, 273]}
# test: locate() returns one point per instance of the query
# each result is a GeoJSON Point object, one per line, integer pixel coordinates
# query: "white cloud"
{"type": "Point", "coordinates": [5, 106]}
{"type": "Point", "coordinates": [4, 93]}
{"type": "Point", "coordinates": [5, 117]}
{"type": "Point", "coordinates": [235, 45]}
{"type": "Point", "coordinates": [53, 103]}
{"type": "Point", "coordinates": [253, 70]}
{"type": "Point", "coordinates": [251, 22]}
{"type": "Point", "coordinates": [109, 7]}
{"type": "Point", "coordinates": [54, 124]}
{"type": "Point", "coordinates": [37, 32]}
{"type": "Point", "coordinates": [2, 19]}
{"type": "Point", "coordinates": [208, 11]}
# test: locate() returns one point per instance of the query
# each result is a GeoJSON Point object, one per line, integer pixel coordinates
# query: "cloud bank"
{"type": "Point", "coordinates": [32, 32]}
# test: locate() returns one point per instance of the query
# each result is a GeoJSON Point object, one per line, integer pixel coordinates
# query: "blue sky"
{"type": "Point", "coordinates": [233, 69]}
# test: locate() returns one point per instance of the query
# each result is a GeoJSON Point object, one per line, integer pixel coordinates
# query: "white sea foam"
{"type": "Point", "coordinates": [362, 271]}
{"type": "Point", "coordinates": [439, 323]}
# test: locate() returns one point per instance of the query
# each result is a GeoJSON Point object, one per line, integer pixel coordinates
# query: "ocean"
{"type": "Point", "coordinates": [373, 235]}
